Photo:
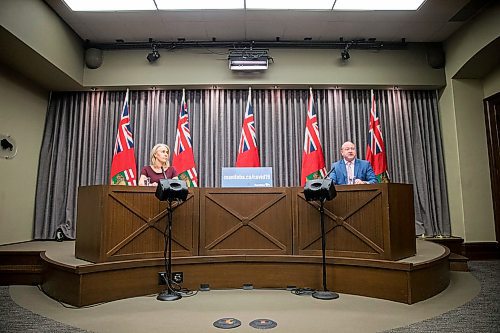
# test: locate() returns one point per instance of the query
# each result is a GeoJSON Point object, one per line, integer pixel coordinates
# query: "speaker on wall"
{"type": "Point", "coordinates": [93, 58]}
{"type": "Point", "coordinates": [436, 57]}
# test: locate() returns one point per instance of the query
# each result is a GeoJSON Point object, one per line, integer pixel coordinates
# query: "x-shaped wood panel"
{"type": "Point", "coordinates": [342, 221]}
{"type": "Point", "coordinates": [246, 222]}
{"type": "Point", "coordinates": [147, 224]}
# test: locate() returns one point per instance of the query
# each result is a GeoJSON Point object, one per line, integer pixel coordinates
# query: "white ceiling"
{"type": "Point", "coordinates": [431, 23]}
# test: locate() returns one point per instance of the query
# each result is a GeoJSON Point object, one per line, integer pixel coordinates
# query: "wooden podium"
{"type": "Point", "coordinates": [363, 221]}
{"type": "Point", "coordinates": [125, 222]}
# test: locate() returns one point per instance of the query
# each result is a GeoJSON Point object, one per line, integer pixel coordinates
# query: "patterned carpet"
{"type": "Point", "coordinates": [481, 314]}
{"type": "Point", "coordinates": [14, 318]}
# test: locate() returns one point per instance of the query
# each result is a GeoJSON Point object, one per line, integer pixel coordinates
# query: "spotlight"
{"type": "Point", "coordinates": [345, 54]}
{"type": "Point", "coordinates": [154, 55]}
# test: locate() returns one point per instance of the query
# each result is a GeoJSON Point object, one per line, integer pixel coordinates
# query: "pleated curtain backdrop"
{"type": "Point", "coordinates": [81, 128]}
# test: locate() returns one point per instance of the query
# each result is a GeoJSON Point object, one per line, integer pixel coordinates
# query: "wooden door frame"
{"type": "Point", "coordinates": [492, 122]}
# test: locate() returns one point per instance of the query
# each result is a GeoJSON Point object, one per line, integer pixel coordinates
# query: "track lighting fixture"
{"type": "Point", "coordinates": [153, 55]}
{"type": "Point", "coordinates": [345, 54]}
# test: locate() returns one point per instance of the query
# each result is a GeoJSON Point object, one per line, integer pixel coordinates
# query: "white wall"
{"type": "Point", "coordinates": [22, 116]}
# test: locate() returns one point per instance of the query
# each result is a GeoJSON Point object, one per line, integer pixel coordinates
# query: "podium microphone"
{"type": "Point", "coordinates": [329, 172]}
{"type": "Point", "coordinates": [163, 171]}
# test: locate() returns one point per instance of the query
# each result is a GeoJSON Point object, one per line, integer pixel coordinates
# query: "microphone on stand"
{"type": "Point", "coordinates": [163, 171]}
{"type": "Point", "coordinates": [329, 172]}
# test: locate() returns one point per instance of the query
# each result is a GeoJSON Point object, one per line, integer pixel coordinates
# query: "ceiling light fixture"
{"type": "Point", "coordinates": [289, 5]}
{"type": "Point", "coordinates": [323, 5]}
{"type": "Point", "coordinates": [345, 52]}
{"type": "Point", "coordinates": [377, 5]}
{"type": "Point", "coordinates": [153, 55]}
{"type": "Point", "coordinates": [109, 5]}
{"type": "Point", "coordinates": [199, 4]}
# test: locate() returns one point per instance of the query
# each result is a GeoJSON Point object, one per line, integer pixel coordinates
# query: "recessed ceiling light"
{"type": "Point", "coordinates": [290, 4]}
{"type": "Point", "coordinates": [378, 4]}
{"type": "Point", "coordinates": [109, 5]}
{"type": "Point", "coordinates": [199, 4]}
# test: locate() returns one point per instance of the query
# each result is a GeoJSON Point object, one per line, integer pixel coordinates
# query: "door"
{"type": "Point", "coordinates": [492, 117]}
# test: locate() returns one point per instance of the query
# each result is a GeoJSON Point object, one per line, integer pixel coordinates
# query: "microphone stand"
{"type": "Point", "coordinates": [325, 293]}
{"type": "Point", "coordinates": [169, 294]}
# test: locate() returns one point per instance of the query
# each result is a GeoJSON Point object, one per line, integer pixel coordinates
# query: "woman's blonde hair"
{"type": "Point", "coordinates": [152, 156]}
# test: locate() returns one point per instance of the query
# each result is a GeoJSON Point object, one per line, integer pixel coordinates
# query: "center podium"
{"type": "Point", "coordinates": [116, 223]}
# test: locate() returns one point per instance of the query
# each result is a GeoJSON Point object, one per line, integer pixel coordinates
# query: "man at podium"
{"type": "Point", "coordinates": [351, 170]}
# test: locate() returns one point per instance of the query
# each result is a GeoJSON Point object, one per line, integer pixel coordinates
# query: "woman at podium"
{"type": "Point", "coordinates": [159, 168]}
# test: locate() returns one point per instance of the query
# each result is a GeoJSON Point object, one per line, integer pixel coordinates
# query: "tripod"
{"type": "Point", "coordinates": [170, 294]}
{"type": "Point", "coordinates": [324, 294]}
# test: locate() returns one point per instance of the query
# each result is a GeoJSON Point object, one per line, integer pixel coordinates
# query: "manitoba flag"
{"type": "Point", "coordinates": [313, 160]}
{"type": "Point", "coordinates": [123, 166]}
{"type": "Point", "coordinates": [375, 151]}
{"type": "Point", "coordinates": [248, 153]}
{"type": "Point", "coordinates": [183, 159]}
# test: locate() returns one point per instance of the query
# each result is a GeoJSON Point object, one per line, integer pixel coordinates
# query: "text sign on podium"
{"type": "Point", "coordinates": [247, 177]}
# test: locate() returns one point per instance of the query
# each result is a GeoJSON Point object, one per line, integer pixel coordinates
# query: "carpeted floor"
{"type": "Point", "coordinates": [14, 318]}
{"type": "Point", "coordinates": [479, 313]}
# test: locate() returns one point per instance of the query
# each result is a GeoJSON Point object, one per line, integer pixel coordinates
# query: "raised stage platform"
{"type": "Point", "coordinates": [78, 282]}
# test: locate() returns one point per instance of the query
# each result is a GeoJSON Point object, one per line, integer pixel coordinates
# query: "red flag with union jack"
{"type": "Point", "coordinates": [313, 160]}
{"type": "Point", "coordinates": [123, 166]}
{"type": "Point", "coordinates": [375, 151]}
{"type": "Point", "coordinates": [183, 159]}
{"type": "Point", "coordinates": [248, 153]}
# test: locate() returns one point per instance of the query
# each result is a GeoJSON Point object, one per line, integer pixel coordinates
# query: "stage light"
{"type": "Point", "coordinates": [154, 55]}
{"type": "Point", "coordinates": [345, 54]}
